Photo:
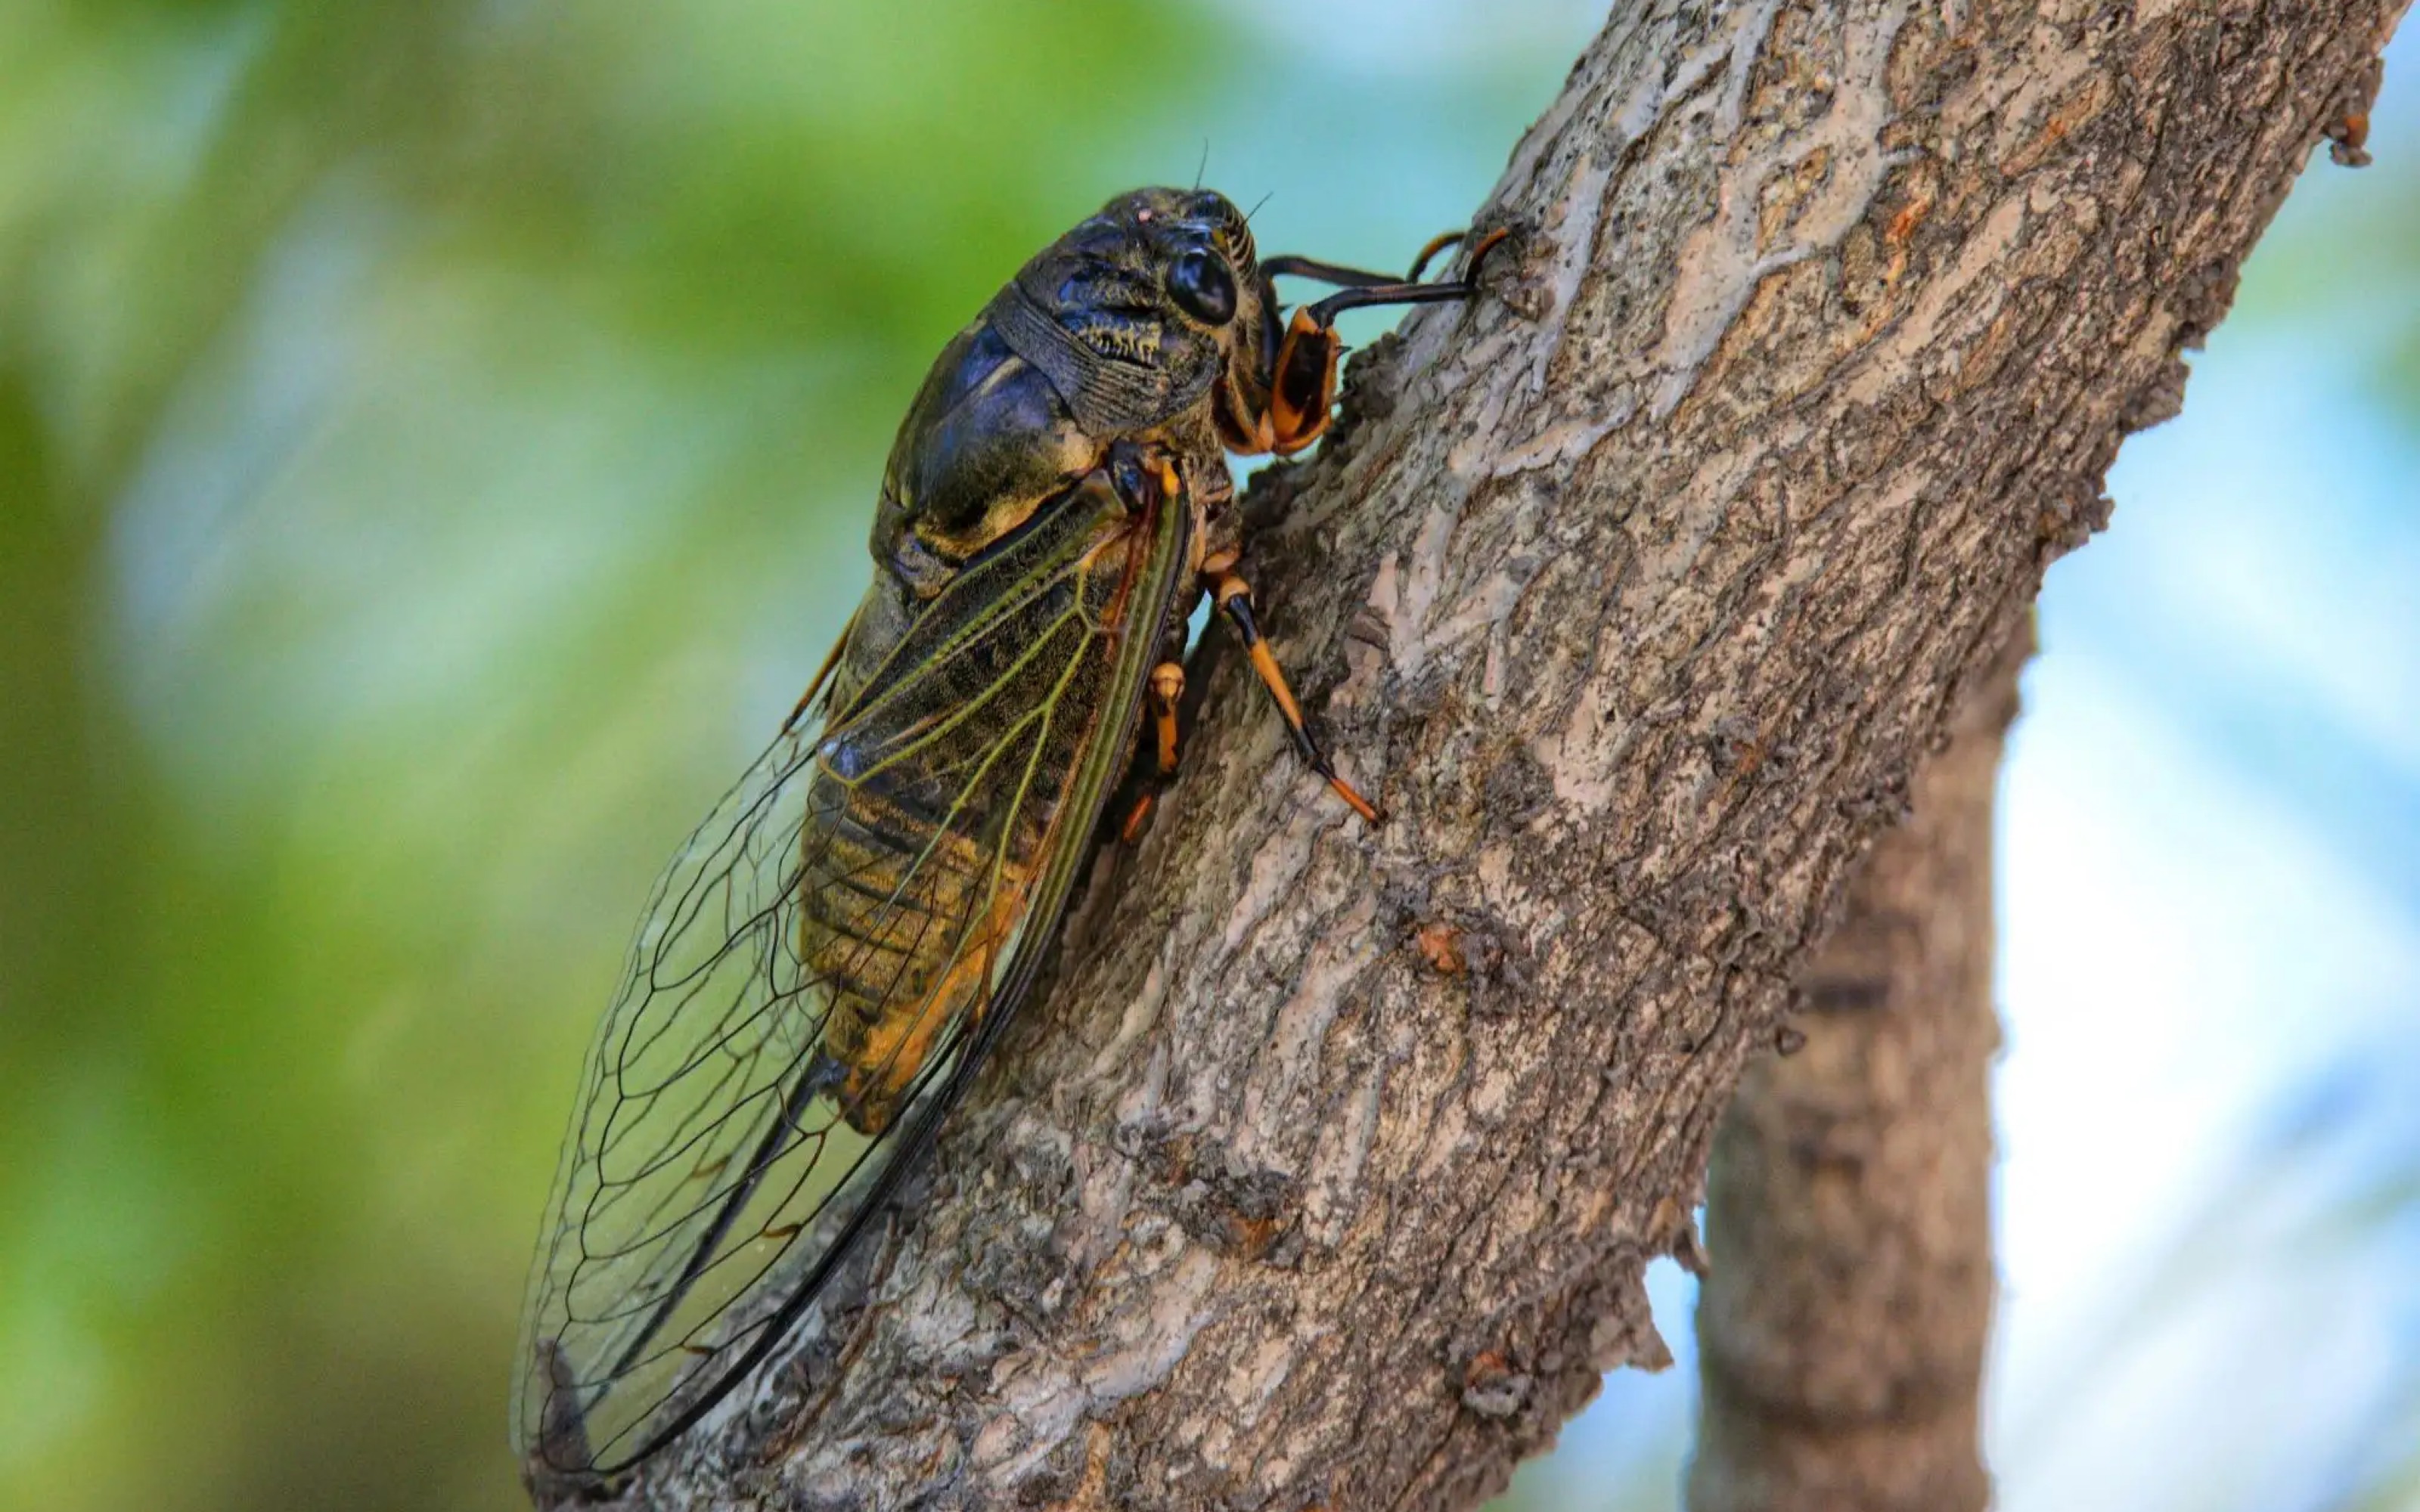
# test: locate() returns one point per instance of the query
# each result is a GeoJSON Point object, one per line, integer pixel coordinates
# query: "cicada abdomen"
{"type": "Point", "coordinates": [947, 795]}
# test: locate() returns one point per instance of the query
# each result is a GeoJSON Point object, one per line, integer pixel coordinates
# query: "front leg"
{"type": "Point", "coordinates": [1302, 380]}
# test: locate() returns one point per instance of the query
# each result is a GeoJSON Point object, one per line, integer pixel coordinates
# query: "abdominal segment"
{"type": "Point", "coordinates": [904, 921]}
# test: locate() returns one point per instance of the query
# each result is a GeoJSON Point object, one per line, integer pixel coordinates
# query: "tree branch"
{"type": "Point", "coordinates": [1848, 1209]}
{"type": "Point", "coordinates": [1328, 1172]}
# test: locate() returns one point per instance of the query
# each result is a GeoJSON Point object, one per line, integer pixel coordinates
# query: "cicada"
{"type": "Point", "coordinates": [834, 949]}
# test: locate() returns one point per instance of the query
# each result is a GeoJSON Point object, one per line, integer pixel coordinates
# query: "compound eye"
{"type": "Point", "coordinates": [1201, 283]}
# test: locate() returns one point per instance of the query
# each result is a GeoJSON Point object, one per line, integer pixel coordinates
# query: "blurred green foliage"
{"type": "Point", "coordinates": [414, 419]}
{"type": "Point", "coordinates": [436, 442]}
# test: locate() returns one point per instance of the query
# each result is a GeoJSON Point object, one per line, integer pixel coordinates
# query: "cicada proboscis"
{"type": "Point", "coordinates": [830, 956]}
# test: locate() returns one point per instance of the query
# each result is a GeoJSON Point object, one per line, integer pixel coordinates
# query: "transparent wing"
{"type": "Point", "coordinates": [685, 1134]}
{"type": "Point", "coordinates": [813, 978]}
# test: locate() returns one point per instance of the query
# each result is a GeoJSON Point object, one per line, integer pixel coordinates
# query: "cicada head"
{"type": "Point", "coordinates": [1158, 305]}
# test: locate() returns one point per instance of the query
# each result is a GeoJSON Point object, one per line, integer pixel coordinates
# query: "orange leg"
{"type": "Point", "coordinates": [1235, 600]}
{"type": "Point", "coordinates": [1166, 688]}
{"type": "Point", "coordinates": [1302, 380]}
{"type": "Point", "coordinates": [1302, 388]}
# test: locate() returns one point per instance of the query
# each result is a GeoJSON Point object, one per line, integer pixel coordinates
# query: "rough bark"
{"type": "Point", "coordinates": [1326, 1173]}
{"type": "Point", "coordinates": [1847, 1298]}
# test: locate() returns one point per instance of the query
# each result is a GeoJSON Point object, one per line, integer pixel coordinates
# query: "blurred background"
{"type": "Point", "coordinates": [437, 443]}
